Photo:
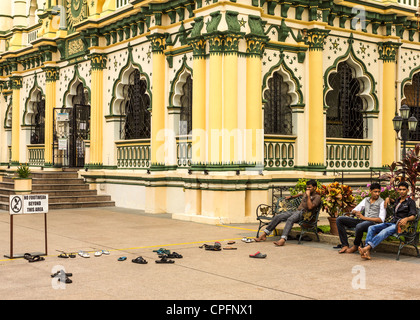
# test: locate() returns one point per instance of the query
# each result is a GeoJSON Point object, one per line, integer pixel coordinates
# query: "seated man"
{"type": "Point", "coordinates": [374, 213]}
{"type": "Point", "coordinates": [310, 201]}
{"type": "Point", "coordinates": [404, 211]}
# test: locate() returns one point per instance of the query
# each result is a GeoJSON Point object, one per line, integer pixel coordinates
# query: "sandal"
{"type": "Point", "coordinates": [258, 255]}
{"type": "Point", "coordinates": [139, 260]}
{"type": "Point", "coordinates": [229, 248]}
{"type": "Point", "coordinates": [248, 240]}
{"type": "Point", "coordinates": [105, 252]}
{"type": "Point", "coordinates": [84, 254]}
{"type": "Point", "coordinates": [164, 260]}
{"type": "Point", "coordinates": [72, 255]}
{"type": "Point", "coordinates": [63, 255]}
{"type": "Point", "coordinates": [162, 251]}
{"type": "Point", "coordinates": [122, 258]}
{"type": "Point", "coordinates": [172, 255]}
{"type": "Point", "coordinates": [61, 272]}
{"type": "Point", "coordinates": [98, 253]}
{"type": "Point", "coordinates": [27, 256]}
{"type": "Point", "coordinates": [231, 242]}
{"type": "Point", "coordinates": [36, 259]}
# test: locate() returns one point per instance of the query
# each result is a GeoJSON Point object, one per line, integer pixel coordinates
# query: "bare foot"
{"type": "Point", "coordinates": [280, 243]}
{"type": "Point", "coordinates": [365, 253]}
{"type": "Point", "coordinates": [352, 249]}
{"type": "Point", "coordinates": [262, 237]}
{"type": "Point", "coordinates": [343, 249]}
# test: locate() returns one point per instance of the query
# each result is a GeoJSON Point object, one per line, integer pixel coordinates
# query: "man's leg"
{"type": "Point", "coordinates": [361, 228]}
{"type": "Point", "coordinates": [273, 224]}
{"type": "Point", "coordinates": [377, 234]}
{"type": "Point", "coordinates": [292, 219]}
{"type": "Point", "coordinates": [342, 223]}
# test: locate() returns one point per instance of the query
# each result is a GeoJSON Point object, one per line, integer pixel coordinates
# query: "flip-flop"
{"type": "Point", "coordinates": [105, 252]}
{"type": "Point", "coordinates": [98, 253]}
{"type": "Point", "coordinates": [72, 255]}
{"type": "Point", "coordinates": [162, 251]}
{"type": "Point", "coordinates": [258, 255]}
{"type": "Point", "coordinates": [63, 255]}
{"type": "Point", "coordinates": [231, 242]}
{"type": "Point", "coordinates": [36, 259]}
{"type": "Point", "coordinates": [27, 256]}
{"type": "Point", "coordinates": [139, 260]}
{"type": "Point", "coordinates": [122, 258]}
{"type": "Point", "coordinates": [248, 240]}
{"type": "Point", "coordinates": [175, 255]}
{"type": "Point", "coordinates": [164, 260]}
{"type": "Point", "coordinates": [59, 273]}
{"type": "Point", "coordinates": [84, 254]}
{"type": "Point", "coordinates": [212, 248]}
{"type": "Point", "coordinates": [230, 248]}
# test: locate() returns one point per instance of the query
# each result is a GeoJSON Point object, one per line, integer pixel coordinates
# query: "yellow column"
{"type": "Point", "coordinates": [316, 136]}
{"type": "Point", "coordinates": [387, 53]}
{"type": "Point", "coordinates": [215, 99]}
{"type": "Point", "coordinates": [230, 94]}
{"type": "Point", "coordinates": [199, 103]}
{"type": "Point", "coordinates": [16, 86]}
{"type": "Point", "coordinates": [254, 112]}
{"type": "Point", "coordinates": [51, 75]}
{"type": "Point", "coordinates": [98, 61]}
{"type": "Point", "coordinates": [158, 101]}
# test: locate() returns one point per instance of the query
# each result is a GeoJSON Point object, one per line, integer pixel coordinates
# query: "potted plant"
{"type": "Point", "coordinates": [336, 199]}
{"type": "Point", "coordinates": [23, 183]}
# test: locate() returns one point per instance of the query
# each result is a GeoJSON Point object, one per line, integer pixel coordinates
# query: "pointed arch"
{"type": "Point", "coordinates": [31, 101]}
{"type": "Point", "coordinates": [178, 83]}
{"type": "Point", "coordinates": [360, 73]}
{"type": "Point", "coordinates": [72, 88]}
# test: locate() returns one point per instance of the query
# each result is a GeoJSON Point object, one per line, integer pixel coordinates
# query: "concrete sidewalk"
{"type": "Point", "coordinates": [309, 271]}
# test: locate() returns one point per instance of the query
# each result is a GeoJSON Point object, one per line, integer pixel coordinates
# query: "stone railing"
{"type": "Point", "coordinates": [348, 154]}
{"type": "Point", "coordinates": [36, 155]}
{"type": "Point", "coordinates": [279, 152]}
{"type": "Point", "coordinates": [133, 154]}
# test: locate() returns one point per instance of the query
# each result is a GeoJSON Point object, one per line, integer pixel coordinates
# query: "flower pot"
{"type": "Point", "coordinates": [333, 225]}
{"type": "Point", "coordinates": [23, 186]}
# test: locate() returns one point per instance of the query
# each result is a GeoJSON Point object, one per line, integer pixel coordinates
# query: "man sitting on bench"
{"type": "Point", "coordinates": [374, 213]}
{"type": "Point", "coordinates": [404, 212]}
{"type": "Point", "coordinates": [310, 201]}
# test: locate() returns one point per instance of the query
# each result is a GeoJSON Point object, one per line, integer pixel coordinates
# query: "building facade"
{"type": "Point", "coordinates": [196, 108]}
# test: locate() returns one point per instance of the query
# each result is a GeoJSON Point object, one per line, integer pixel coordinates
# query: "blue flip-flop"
{"type": "Point", "coordinates": [122, 258]}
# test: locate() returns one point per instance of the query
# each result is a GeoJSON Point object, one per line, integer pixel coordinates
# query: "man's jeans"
{"type": "Point", "coordinates": [379, 232]}
{"type": "Point", "coordinates": [290, 217]}
{"type": "Point", "coordinates": [360, 225]}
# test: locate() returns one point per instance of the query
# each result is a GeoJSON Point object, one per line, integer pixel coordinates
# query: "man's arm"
{"type": "Point", "coordinates": [313, 204]}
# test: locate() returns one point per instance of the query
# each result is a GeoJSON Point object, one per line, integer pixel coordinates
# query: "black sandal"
{"type": "Point", "coordinates": [36, 259]}
{"type": "Point", "coordinates": [139, 260]}
{"type": "Point", "coordinates": [164, 260]}
{"type": "Point", "coordinates": [63, 255]}
{"type": "Point", "coordinates": [174, 255]}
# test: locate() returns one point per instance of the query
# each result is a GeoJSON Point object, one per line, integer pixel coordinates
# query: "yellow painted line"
{"type": "Point", "coordinates": [239, 228]}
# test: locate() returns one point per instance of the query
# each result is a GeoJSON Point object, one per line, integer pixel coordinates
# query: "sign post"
{"type": "Point", "coordinates": [23, 205]}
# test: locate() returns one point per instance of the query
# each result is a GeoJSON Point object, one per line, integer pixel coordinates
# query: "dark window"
{"type": "Point", "coordinates": [345, 107]}
{"type": "Point", "coordinates": [412, 99]}
{"type": "Point", "coordinates": [136, 123]}
{"type": "Point", "coordinates": [277, 110]}
{"type": "Point", "coordinates": [185, 126]}
{"type": "Point", "coordinates": [38, 121]}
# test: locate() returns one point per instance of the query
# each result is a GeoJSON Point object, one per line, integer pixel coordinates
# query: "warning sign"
{"type": "Point", "coordinates": [28, 204]}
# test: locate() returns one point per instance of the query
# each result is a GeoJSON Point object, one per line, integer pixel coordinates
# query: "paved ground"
{"type": "Point", "coordinates": [309, 271]}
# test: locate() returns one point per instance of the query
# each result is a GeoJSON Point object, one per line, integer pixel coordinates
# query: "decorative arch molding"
{"type": "Point", "coordinates": [72, 88]}
{"type": "Point", "coordinates": [30, 103]}
{"type": "Point", "coordinates": [366, 80]}
{"type": "Point", "coordinates": [289, 78]}
{"type": "Point", "coordinates": [8, 115]}
{"type": "Point", "coordinates": [123, 80]}
{"type": "Point", "coordinates": [178, 83]}
{"type": "Point", "coordinates": [408, 81]}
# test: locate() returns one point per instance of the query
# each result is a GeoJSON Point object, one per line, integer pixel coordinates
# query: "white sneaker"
{"type": "Point", "coordinates": [84, 254]}
{"type": "Point", "coordinates": [105, 252]}
{"type": "Point", "coordinates": [98, 253]}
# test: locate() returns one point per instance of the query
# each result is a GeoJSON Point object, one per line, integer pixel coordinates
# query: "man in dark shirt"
{"type": "Point", "coordinates": [404, 212]}
{"type": "Point", "coordinates": [310, 201]}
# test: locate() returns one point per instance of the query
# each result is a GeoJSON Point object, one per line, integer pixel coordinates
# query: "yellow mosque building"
{"type": "Point", "coordinates": [196, 108]}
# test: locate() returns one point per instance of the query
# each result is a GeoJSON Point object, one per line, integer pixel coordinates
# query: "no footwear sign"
{"type": "Point", "coordinates": [28, 204]}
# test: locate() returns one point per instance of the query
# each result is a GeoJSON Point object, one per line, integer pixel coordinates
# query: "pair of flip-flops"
{"type": "Point", "coordinates": [66, 256]}
{"type": "Point", "coordinates": [32, 258]}
{"type": "Point", "coordinates": [164, 259]}
{"type": "Point", "coordinates": [139, 260]}
{"type": "Point", "coordinates": [173, 255]}
{"type": "Point", "coordinates": [62, 276]}
{"type": "Point", "coordinates": [162, 251]}
{"type": "Point", "coordinates": [258, 255]}
{"type": "Point", "coordinates": [248, 240]}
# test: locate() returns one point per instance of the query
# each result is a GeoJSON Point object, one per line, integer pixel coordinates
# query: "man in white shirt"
{"type": "Point", "coordinates": [374, 213]}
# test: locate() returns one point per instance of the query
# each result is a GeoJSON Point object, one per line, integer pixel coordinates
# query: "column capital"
{"type": "Point", "coordinates": [98, 61]}
{"type": "Point", "coordinates": [199, 47]}
{"type": "Point", "coordinates": [51, 74]}
{"type": "Point", "coordinates": [388, 51]}
{"type": "Point", "coordinates": [16, 82]}
{"type": "Point", "coordinates": [255, 45]}
{"type": "Point", "coordinates": [158, 41]}
{"type": "Point", "coordinates": [315, 38]}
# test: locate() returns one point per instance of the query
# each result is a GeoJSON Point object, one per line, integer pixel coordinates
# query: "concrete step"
{"type": "Point", "coordinates": [44, 187]}
{"type": "Point", "coordinates": [55, 181]}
